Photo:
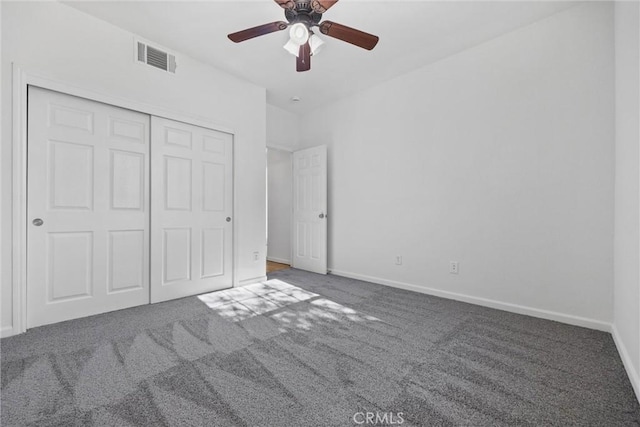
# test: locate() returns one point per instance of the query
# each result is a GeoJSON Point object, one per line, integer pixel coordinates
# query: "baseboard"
{"type": "Point", "coordinates": [513, 308]}
{"type": "Point", "coordinates": [626, 361]}
{"type": "Point", "coordinates": [279, 260]}
{"type": "Point", "coordinates": [250, 281]}
{"type": "Point", "coordinates": [6, 331]}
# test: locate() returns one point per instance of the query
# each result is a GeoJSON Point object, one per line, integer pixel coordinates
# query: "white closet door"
{"type": "Point", "coordinates": [310, 209]}
{"type": "Point", "coordinates": [88, 208]}
{"type": "Point", "coordinates": [192, 206]}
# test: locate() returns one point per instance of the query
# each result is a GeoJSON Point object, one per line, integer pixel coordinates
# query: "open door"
{"type": "Point", "coordinates": [310, 209]}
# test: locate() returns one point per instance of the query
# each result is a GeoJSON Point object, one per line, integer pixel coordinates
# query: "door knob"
{"type": "Point", "coordinates": [228, 219]}
{"type": "Point", "coordinates": [321, 216]}
{"type": "Point", "coordinates": [38, 222]}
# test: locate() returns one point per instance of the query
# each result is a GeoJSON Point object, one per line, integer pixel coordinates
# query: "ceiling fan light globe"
{"type": "Point", "coordinates": [299, 33]}
{"type": "Point", "coordinates": [292, 48]}
{"type": "Point", "coordinates": [316, 44]}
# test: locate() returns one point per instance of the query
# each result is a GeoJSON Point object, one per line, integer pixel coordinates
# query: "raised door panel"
{"type": "Point", "coordinates": [301, 239]}
{"type": "Point", "coordinates": [70, 267]}
{"type": "Point", "coordinates": [212, 252]}
{"type": "Point", "coordinates": [127, 260]}
{"type": "Point", "coordinates": [302, 195]}
{"type": "Point", "coordinates": [213, 186]}
{"type": "Point", "coordinates": [177, 183]}
{"type": "Point", "coordinates": [127, 130]}
{"type": "Point", "coordinates": [214, 144]}
{"type": "Point", "coordinates": [127, 180]}
{"type": "Point", "coordinates": [177, 254]}
{"type": "Point", "coordinates": [71, 118]}
{"type": "Point", "coordinates": [71, 175]}
{"type": "Point", "coordinates": [179, 137]}
{"type": "Point", "coordinates": [315, 200]}
{"type": "Point", "coordinates": [316, 244]}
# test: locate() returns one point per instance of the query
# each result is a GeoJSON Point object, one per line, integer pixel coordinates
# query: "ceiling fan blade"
{"type": "Point", "coordinates": [303, 63]}
{"type": "Point", "coordinates": [321, 6]}
{"type": "Point", "coordinates": [349, 35]}
{"type": "Point", "coordinates": [286, 4]}
{"type": "Point", "coordinates": [260, 30]}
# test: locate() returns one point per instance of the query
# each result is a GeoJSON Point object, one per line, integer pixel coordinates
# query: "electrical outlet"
{"type": "Point", "coordinates": [256, 256]}
{"type": "Point", "coordinates": [398, 259]}
{"type": "Point", "coordinates": [454, 267]}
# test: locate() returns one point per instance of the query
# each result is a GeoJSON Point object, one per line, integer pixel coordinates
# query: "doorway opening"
{"type": "Point", "coordinates": [297, 208]}
{"type": "Point", "coordinates": [279, 207]}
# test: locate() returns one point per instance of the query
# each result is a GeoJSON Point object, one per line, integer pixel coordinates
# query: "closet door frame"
{"type": "Point", "coordinates": [23, 77]}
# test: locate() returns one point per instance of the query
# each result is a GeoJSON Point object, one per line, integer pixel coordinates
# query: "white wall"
{"type": "Point", "coordinates": [282, 128]}
{"type": "Point", "coordinates": [280, 192]}
{"type": "Point", "coordinates": [61, 42]}
{"type": "Point", "coordinates": [627, 188]}
{"type": "Point", "coordinates": [500, 157]}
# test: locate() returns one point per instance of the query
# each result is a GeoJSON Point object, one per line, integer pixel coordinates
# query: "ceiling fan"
{"type": "Point", "coordinates": [301, 16]}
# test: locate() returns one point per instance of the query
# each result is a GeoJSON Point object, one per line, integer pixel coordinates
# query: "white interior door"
{"type": "Point", "coordinates": [88, 208]}
{"type": "Point", "coordinates": [192, 206]}
{"type": "Point", "coordinates": [310, 209]}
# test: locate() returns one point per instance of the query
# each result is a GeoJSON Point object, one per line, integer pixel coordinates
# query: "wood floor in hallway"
{"type": "Point", "coordinates": [276, 266]}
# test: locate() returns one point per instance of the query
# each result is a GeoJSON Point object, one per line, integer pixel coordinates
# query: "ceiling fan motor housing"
{"type": "Point", "coordinates": [303, 13]}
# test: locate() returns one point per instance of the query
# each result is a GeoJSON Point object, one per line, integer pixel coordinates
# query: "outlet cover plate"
{"type": "Point", "coordinates": [454, 267]}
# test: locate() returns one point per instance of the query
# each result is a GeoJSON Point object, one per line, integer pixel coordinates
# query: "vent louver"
{"type": "Point", "coordinates": [155, 57]}
{"type": "Point", "coordinates": [142, 48]}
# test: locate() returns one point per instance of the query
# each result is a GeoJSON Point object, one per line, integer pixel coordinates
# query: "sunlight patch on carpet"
{"type": "Point", "coordinates": [265, 297]}
{"type": "Point", "coordinates": [259, 298]}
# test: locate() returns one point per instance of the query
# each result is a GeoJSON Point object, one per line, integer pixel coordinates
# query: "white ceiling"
{"type": "Point", "coordinates": [412, 34]}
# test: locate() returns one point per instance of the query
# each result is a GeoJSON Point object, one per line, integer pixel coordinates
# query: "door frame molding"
{"type": "Point", "coordinates": [22, 77]}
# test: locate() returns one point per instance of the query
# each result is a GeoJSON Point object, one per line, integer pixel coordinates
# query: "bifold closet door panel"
{"type": "Point", "coordinates": [88, 208]}
{"type": "Point", "coordinates": [192, 210]}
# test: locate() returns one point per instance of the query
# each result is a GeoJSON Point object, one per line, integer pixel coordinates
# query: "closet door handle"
{"type": "Point", "coordinates": [228, 219]}
{"type": "Point", "coordinates": [37, 222]}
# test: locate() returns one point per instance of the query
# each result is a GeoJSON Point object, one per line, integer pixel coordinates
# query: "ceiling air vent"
{"type": "Point", "coordinates": [155, 57]}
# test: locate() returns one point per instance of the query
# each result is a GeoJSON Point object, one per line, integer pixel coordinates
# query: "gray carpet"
{"type": "Point", "coordinates": [314, 357]}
